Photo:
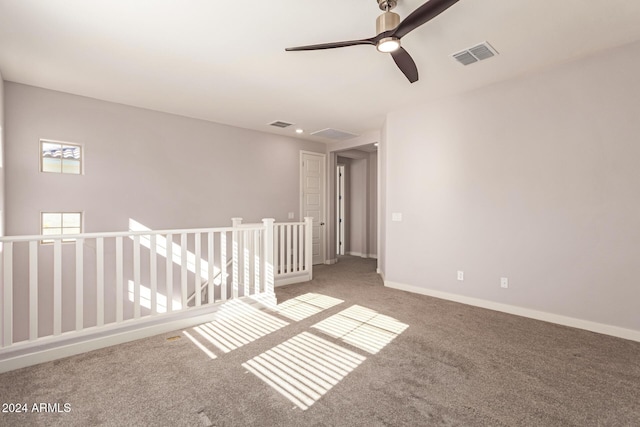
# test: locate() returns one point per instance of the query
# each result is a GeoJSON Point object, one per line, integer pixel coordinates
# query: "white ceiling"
{"type": "Point", "coordinates": [225, 62]}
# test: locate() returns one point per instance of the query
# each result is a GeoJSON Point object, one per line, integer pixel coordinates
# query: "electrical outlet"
{"type": "Point", "coordinates": [291, 215]}
{"type": "Point", "coordinates": [460, 275]}
{"type": "Point", "coordinates": [504, 282]}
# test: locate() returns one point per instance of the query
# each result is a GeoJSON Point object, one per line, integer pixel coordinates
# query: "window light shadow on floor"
{"type": "Point", "coordinates": [306, 305]}
{"type": "Point", "coordinates": [362, 327]}
{"type": "Point", "coordinates": [304, 368]}
{"type": "Point", "coordinates": [236, 324]}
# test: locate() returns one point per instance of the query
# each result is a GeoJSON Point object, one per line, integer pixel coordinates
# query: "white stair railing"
{"type": "Point", "coordinates": [292, 250]}
{"type": "Point", "coordinates": [80, 284]}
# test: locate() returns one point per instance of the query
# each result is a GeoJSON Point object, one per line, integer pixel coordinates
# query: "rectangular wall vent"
{"type": "Point", "coordinates": [280, 124]}
{"type": "Point", "coordinates": [474, 54]}
{"type": "Point", "coordinates": [335, 134]}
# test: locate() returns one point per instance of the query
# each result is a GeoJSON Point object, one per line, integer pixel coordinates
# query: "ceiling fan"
{"type": "Point", "coordinates": [390, 30]}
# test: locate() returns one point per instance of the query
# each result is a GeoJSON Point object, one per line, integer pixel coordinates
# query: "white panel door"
{"type": "Point", "coordinates": [312, 174]}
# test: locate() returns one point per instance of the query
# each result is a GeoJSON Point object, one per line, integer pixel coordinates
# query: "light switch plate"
{"type": "Point", "coordinates": [396, 216]}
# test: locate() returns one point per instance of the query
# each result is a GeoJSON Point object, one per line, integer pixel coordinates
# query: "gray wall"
{"type": "Point", "coordinates": [163, 170]}
{"type": "Point", "coordinates": [535, 179]}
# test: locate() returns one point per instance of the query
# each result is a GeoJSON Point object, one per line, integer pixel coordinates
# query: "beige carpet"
{"type": "Point", "coordinates": [343, 350]}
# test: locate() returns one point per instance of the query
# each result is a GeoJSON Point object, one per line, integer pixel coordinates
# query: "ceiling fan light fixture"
{"type": "Point", "coordinates": [388, 44]}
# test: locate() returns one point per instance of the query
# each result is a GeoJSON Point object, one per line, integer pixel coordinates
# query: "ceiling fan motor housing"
{"type": "Point", "coordinates": [387, 22]}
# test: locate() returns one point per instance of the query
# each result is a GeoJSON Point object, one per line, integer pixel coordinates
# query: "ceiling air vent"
{"type": "Point", "coordinates": [280, 124]}
{"type": "Point", "coordinates": [474, 54]}
{"type": "Point", "coordinates": [335, 134]}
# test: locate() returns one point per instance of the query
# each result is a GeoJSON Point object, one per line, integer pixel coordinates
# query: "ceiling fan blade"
{"type": "Point", "coordinates": [424, 13]}
{"type": "Point", "coordinates": [405, 63]}
{"type": "Point", "coordinates": [332, 45]}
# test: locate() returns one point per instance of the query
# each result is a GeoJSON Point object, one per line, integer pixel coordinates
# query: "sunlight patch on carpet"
{"type": "Point", "coordinates": [236, 324]}
{"type": "Point", "coordinates": [362, 327]}
{"type": "Point", "coordinates": [304, 368]}
{"type": "Point", "coordinates": [306, 305]}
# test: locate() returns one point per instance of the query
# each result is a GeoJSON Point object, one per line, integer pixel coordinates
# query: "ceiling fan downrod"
{"type": "Point", "coordinates": [387, 5]}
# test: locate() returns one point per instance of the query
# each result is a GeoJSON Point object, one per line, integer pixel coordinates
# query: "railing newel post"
{"type": "Point", "coordinates": [269, 279]}
{"type": "Point", "coordinates": [308, 245]}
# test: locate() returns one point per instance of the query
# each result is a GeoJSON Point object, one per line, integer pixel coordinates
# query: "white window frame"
{"type": "Point", "coordinates": [50, 241]}
{"type": "Point", "coordinates": [70, 144]}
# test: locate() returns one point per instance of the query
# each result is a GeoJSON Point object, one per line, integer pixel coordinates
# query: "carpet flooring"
{"type": "Point", "coordinates": [342, 350]}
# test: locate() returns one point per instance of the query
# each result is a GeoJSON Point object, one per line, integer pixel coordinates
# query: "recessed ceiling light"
{"type": "Point", "coordinates": [299, 131]}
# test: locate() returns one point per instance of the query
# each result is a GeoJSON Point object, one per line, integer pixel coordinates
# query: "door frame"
{"type": "Point", "coordinates": [340, 209]}
{"type": "Point", "coordinates": [323, 195]}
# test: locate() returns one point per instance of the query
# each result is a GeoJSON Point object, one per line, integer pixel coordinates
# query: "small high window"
{"type": "Point", "coordinates": [60, 157]}
{"type": "Point", "coordinates": [61, 223]}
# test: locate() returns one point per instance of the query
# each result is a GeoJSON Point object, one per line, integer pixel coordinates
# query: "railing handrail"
{"type": "Point", "coordinates": [7, 239]}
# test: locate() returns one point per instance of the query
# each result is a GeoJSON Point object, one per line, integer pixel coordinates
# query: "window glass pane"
{"type": "Point", "coordinates": [51, 150]}
{"type": "Point", "coordinates": [71, 166]}
{"type": "Point", "coordinates": [71, 230]}
{"type": "Point", "coordinates": [71, 220]}
{"type": "Point", "coordinates": [71, 152]}
{"type": "Point", "coordinates": [51, 220]}
{"type": "Point", "coordinates": [50, 164]}
{"type": "Point", "coordinates": [52, 231]}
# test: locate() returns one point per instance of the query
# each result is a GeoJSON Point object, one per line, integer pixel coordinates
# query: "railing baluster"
{"type": "Point", "coordinates": [246, 260]}
{"type": "Point", "coordinates": [281, 261]}
{"type": "Point", "coordinates": [183, 275]}
{"type": "Point", "coordinates": [301, 248]}
{"type": "Point", "coordinates": [288, 249]}
{"type": "Point", "coordinates": [198, 275]}
{"type": "Point", "coordinates": [57, 287]}
{"type": "Point", "coordinates": [153, 274]}
{"type": "Point", "coordinates": [7, 265]}
{"type": "Point", "coordinates": [100, 281]}
{"type": "Point", "coordinates": [169, 272]}
{"type": "Point", "coordinates": [256, 261]}
{"type": "Point", "coordinates": [210, 271]}
{"type": "Point", "coordinates": [119, 280]}
{"type": "Point", "coordinates": [235, 254]}
{"type": "Point", "coordinates": [136, 277]}
{"type": "Point", "coordinates": [79, 284]}
{"type": "Point", "coordinates": [294, 249]}
{"type": "Point", "coordinates": [33, 290]}
{"type": "Point", "coordinates": [223, 266]}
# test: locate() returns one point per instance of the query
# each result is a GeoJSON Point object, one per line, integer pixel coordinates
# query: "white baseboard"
{"type": "Point", "coordinates": [573, 322]}
{"type": "Point", "coordinates": [331, 261]}
{"type": "Point", "coordinates": [360, 254]}
{"type": "Point", "coordinates": [289, 280]}
{"type": "Point", "coordinates": [381, 273]}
